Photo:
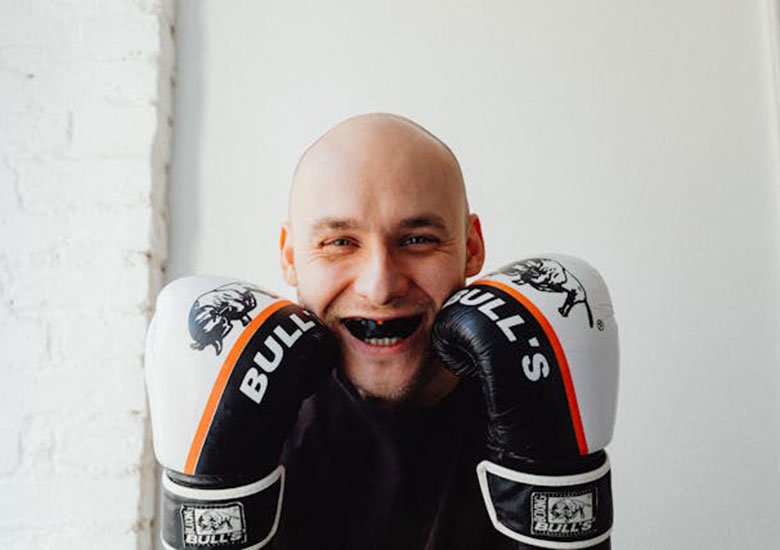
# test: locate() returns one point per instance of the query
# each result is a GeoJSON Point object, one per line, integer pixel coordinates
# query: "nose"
{"type": "Point", "coordinates": [380, 278]}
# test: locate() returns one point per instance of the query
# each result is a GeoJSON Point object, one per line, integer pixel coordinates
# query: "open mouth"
{"type": "Point", "coordinates": [386, 332]}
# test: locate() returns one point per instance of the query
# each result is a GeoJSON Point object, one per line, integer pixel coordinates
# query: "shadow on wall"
{"type": "Point", "coordinates": [186, 168]}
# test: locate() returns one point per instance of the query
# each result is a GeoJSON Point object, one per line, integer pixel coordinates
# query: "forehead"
{"type": "Point", "coordinates": [377, 179]}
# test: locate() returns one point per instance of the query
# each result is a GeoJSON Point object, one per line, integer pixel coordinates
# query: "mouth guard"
{"type": "Point", "coordinates": [365, 329]}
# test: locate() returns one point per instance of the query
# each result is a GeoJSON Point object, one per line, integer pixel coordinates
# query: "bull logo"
{"type": "Point", "coordinates": [213, 313]}
{"type": "Point", "coordinates": [547, 275]}
{"type": "Point", "coordinates": [216, 521]}
{"type": "Point", "coordinates": [567, 510]}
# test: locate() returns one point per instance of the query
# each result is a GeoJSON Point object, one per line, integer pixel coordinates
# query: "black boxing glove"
{"type": "Point", "coordinates": [541, 336]}
{"type": "Point", "coordinates": [227, 367]}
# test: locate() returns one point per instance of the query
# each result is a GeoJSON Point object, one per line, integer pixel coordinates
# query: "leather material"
{"type": "Point", "coordinates": [540, 335]}
{"type": "Point", "coordinates": [228, 365]}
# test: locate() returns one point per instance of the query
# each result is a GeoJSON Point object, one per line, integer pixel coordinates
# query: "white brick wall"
{"type": "Point", "coordinates": [85, 107]}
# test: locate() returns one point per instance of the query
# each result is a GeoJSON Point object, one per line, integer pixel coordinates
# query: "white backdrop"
{"type": "Point", "coordinates": [638, 134]}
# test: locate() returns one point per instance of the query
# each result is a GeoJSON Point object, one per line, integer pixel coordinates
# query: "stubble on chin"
{"type": "Point", "coordinates": [416, 389]}
{"type": "Point", "coordinates": [411, 391]}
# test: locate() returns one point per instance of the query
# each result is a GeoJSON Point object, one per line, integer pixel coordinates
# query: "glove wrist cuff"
{"type": "Point", "coordinates": [560, 512]}
{"type": "Point", "coordinates": [243, 517]}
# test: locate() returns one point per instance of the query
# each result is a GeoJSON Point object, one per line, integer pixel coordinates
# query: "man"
{"type": "Point", "coordinates": [379, 229]}
{"type": "Point", "coordinates": [379, 234]}
{"type": "Point", "coordinates": [384, 452]}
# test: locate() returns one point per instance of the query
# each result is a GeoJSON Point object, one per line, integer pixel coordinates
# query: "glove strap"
{"type": "Point", "coordinates": [236, 518]}
{"type": "Point", "coordinates": [560, 512]}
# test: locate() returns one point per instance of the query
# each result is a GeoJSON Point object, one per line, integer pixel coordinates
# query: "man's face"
{"type": "Point", "coordinates": [378, 238]}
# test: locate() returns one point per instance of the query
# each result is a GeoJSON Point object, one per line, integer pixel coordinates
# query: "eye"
{"type": "Point", "coordinates": [418, 240]}
{"type": "Point", "coordinates": [338, 243]}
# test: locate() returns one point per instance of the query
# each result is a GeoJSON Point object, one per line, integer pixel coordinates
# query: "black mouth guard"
{"type": "Point", "coordinates": [401, 327]}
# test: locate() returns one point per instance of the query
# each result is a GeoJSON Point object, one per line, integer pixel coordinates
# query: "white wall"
{"type": "Point", "coordinates": [84, 138]}
{"type": "Point", "coordinates": [639, 134]}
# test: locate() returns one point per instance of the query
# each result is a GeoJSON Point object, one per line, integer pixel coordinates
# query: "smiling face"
{"type": "Point", "coordinates": [379, 235]}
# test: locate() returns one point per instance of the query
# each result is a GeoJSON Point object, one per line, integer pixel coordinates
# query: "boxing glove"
{"type": "Point", "coordinates": [541, 336]}
{"type": "Point", "coordinates": [227, 367]}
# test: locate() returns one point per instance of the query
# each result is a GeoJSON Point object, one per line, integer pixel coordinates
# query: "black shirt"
{"type": "Point", "coordinates": [365, 475]}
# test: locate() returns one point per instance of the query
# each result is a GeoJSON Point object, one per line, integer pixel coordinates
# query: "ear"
{"type": "Point", "coordinates": [286, 256]}
{"type": "Point", "coordinates": [475, 246]}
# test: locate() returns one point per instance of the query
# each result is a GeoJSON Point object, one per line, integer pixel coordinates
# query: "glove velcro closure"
{"type": "Point", "coordinates": [236, 518]}
{"type": "Point", "coordinates": [559, 512]}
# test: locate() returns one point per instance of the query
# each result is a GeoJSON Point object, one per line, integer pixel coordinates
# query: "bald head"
{"type": "Point", "coordinates": [379, 229]}
{"type": "Point", "coordinates": [375, 143]}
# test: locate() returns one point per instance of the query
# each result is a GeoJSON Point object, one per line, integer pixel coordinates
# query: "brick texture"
{"type": "Point", "coordinates": [85, 113]}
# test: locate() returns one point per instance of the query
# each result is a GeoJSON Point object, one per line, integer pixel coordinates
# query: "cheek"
{"type": "Point", "coordinates": [438, 277]}
{"type": "Point", "coordinates": [318, 285]}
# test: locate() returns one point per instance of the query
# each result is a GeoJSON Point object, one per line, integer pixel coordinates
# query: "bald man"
{"type": "Point", "coordinates": [379, 234]}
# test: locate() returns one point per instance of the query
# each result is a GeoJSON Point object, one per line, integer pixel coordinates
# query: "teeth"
{"type": "Point", "coordinates": [381, 341]}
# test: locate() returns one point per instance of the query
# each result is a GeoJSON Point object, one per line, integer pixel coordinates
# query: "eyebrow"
{"type": "Point", "coordinates": [335, 224]}
{"type": "Point", "coordinates": [415, 222]}
{"type": "Point", "coordinates": [424, 220]}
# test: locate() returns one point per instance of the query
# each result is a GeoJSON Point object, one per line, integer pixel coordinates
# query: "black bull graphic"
{"type": "Point", "coordinates": [213, 313]}
{"type": "Point", "coordinates": [568, 509]}
{"type": "Point", "coordinates": [213, 521]}
{"type": "Point", "coordinates": [548, 275]}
